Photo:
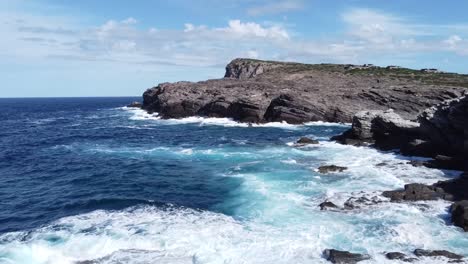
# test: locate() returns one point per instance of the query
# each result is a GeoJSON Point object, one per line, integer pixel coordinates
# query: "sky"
{"type": "Point", "coordinates": [65, 48]}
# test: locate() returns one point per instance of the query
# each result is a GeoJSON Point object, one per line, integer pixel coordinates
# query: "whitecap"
{"type": "Point", "coordinates": [140, 114]}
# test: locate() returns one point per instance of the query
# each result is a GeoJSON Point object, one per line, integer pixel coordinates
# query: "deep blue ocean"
{"type": "Point", "coordinates": [87, 179]}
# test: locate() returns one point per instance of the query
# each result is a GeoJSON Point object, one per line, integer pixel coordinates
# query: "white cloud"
{"type": "Point", "coordinates": [250, 29]}
{"type": "Point", "coordinates": [370, 35]}
{"type": "Point", "coordinates": [453, 40]}
{"type": "Point", "coordinates": [271, 8]}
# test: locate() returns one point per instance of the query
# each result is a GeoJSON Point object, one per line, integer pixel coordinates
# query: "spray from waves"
{"type": "Point", "coordinates": [139, 114]}
{"type": "Point", "coordinates": [177, 235]}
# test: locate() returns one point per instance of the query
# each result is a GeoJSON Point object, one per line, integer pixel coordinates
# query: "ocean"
{"type": "Point", "coordinates": [88, 180]}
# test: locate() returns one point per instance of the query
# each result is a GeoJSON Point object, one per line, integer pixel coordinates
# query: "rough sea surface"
{"type": "Point", "coordinates": [86, 179]}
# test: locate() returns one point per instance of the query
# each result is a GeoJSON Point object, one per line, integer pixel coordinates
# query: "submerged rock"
{"type": "Point", "coordinates": [358, 202]}
{"type": "Point", "coordinates": [327, 205]}
{"type": "Point", "coordinates": [437, 253]}
{"type": "Point", "coordinates": [399, 256]}
{"type": "Point", "coordinates": [459, 212]}
{"type": "Point", "coordinates": [342, 257]}
{"type": "Point", "coordinates": [331, 168]}
{"type": "Point", "coordinates": [306, 141]}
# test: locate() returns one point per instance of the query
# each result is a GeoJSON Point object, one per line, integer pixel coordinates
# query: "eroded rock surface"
{"type": "Point", "coordinates": [459, 212]}
{"type": "Point", "coordinates": [264, 91]}
{"type": "Point", "coordinates": [342, 257]}
{"type": "Point", "coordinates": [331, 168]}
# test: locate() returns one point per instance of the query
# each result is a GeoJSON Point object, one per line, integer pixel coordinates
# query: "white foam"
{"type": "Point", "coordinates": [289, 161]}
{"type": "Point", "coordinates": [140, 114]}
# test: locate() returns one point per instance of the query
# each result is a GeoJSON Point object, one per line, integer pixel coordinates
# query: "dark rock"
{"type": "Point", "coordinates": [418, 147]}
{"type": "Point", "coordinates": [306, 141]}
{"type": "Point", "coordinates": [440, 133]}
{"type": "Point", "coordinates": [291, 109]}
{"type": "Point", "coordinates": [451, 190]}
{"type": "Point", "coordinates": [331, 168]}
{"type": "Point", "coordinates": [385, 129]}
{"type": "Point", "coordinates": [457, 188]}
{"type": "Point", "coordinates": [447, 163]}
{"type": "Point", "coordinates": [135, 105]}
{"type": "Point", "coordinates": [417, 163]}
{"type": "Point", "coordinates": [337, 256]}
{"type": "Point", "coordinates": [445, 126]}
{"type": "Point", "coordinates": [459, 212]}
{"type": "Point", "coordinates": [327, 205]}
{"type": "Point", "coordinates": [399, 256]}
{"type": "Point", "coordinates": [265, 91]}
{"type": "Point", "coordinates": [358, 202]}
{"type": "Point", "coordinates": [415, 192]}
{"type": "Point", "coordinates": [382, 164]}
{"type": "Point", "coordinates": [436, 253]}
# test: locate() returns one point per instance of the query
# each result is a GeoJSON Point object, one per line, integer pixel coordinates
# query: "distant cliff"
{"type": "Point", "coordinates": [266, 91]}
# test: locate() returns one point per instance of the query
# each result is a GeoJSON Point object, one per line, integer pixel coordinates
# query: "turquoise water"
{"type": "Point", "coordinates": [88, 179]}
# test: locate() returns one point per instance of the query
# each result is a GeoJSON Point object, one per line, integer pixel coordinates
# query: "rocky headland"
{"type": "Point", "coordinates": [265, 91]}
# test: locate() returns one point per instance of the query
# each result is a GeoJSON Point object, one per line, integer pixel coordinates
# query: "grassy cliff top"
{"type": "Point", "coordinates": [394, 72]}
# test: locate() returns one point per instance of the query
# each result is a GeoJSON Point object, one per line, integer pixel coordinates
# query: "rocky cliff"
{"type": "Point", "coordinates": [439, 130]}
{"type": "Point", "coordinates": [265, 91]}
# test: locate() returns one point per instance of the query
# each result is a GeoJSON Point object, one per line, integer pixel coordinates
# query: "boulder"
{"type": "Point", "coordinates": [437, 253]}
{"type": "Point", "coordinates": [459, 212]}
{"type": "Point", "coordinates": [331, 168]}
{"type": "Point", "coordinates": [342, 257]}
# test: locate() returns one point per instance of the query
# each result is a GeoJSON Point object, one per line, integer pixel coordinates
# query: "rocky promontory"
{"type": "Point", "coordinates": [266, 91]}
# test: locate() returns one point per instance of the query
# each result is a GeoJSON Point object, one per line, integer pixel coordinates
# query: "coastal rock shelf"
{"type": "Point", "coordinates": [265, 91]}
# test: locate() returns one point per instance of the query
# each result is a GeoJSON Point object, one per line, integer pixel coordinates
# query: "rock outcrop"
{"type": "Point", "coordinates": [384, 129]}
{"type": "Point", "coordinates": [437, 253]}
{"type": "Point", "coordinates": [446, 126]}
{"type": "Point", "coordinates": [330, 168]}
{"type": "Point", "coordinates": [441, 133]}
{"type": "Point", "coordinates": [460, 214]}
{"type": "Point", "coordinates": [264, 91]}
{"type": "Point", "coordinates": [342, 257]}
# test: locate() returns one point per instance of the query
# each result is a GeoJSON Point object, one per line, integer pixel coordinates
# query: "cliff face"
{"type": "Point", "coordinates": [265, 91]}
{"type": "Point", "coordinates": [439, 130]}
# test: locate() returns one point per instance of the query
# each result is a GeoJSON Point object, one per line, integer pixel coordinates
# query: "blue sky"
{"type": "Point", "coordinates": [120, 48]}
